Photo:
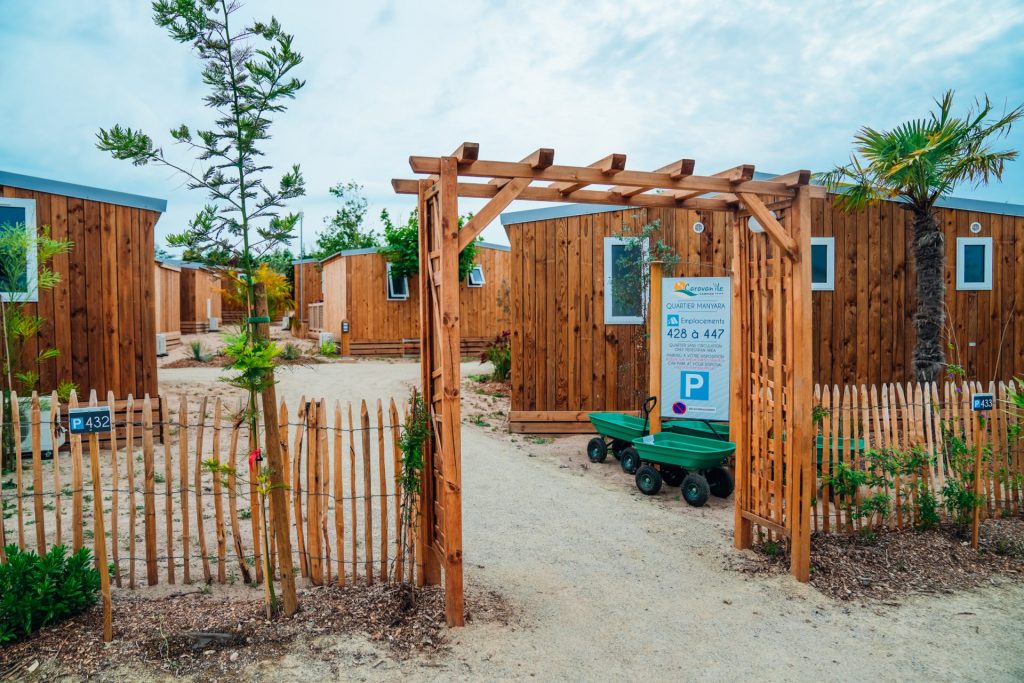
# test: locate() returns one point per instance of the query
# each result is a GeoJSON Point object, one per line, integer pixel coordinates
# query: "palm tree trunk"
{"type": "Point", "coordinates": [930, 318]}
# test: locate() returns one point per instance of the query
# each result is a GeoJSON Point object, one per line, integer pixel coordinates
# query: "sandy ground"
{"type": "Point", "coordinates": [609, 584]}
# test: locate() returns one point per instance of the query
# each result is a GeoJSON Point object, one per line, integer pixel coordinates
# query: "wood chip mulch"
{"type": "Point", "coordinates": [893, 564]}
{"type": "Point", "coordinates": [215, 636]}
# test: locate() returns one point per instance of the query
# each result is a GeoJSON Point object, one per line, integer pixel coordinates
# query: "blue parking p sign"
{"type": "Point", "coordinates": [694, 386]}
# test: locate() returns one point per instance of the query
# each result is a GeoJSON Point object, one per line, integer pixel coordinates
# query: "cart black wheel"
{"type": "Point", "coordinates": [672, 476]}
{"type": "Point", "coordinates": [695, 489]}
{"type": "Point", "coordinates": [617, 447]}
{"type": "Point", "coordinates": [629, 459]}
{"type": "Point", "coordinates": [720, 482]}
{"type": "Point", "coordinates": [597, 449]}
{"type": "Point", "coordinates": [648, 480]}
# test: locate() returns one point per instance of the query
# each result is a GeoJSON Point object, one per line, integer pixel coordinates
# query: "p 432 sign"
{"type": "Point", "coordinates": [90, 420]}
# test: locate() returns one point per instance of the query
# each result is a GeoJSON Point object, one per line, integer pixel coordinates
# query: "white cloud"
{"type": "Point", "coordinates": [781, 85]}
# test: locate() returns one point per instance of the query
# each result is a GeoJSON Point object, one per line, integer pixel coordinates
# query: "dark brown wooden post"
{"type": "Point", "coordinates": [275, 460]}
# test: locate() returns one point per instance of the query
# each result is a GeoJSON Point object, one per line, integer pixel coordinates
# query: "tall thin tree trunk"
{"type": "Point", "coordinates": [930, 318]}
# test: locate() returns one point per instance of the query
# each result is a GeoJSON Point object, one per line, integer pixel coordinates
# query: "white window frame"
{"type": "Point", "coordinates": [32, 265]}
{"type": "Point", "coordinates": [477, 270]}
{"type": "Point", "coordinates": [609, 317]}
{"type": "Point", "coordinates": [829, 284]}
{"type": "Point", "coordinates": [392, 296]}
{"type": "Point", "coordinates": [961, 284]}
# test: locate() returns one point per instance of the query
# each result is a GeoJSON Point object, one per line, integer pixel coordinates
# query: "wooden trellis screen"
{"type": "Point", "coordinates": [772, 404]}
{"type": "Point", "coordinates": [673, 185]}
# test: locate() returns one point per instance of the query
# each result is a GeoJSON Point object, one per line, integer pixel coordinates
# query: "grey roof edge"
{"type": "Point", "coordinates": [300, 261]}
{"type": "Point", "coordinates": [566, 210]}
{"type": "Point", "coordinates": [95, 194]}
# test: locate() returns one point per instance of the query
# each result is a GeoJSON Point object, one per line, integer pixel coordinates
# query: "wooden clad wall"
{"type": "Point", "coordinates": [307, 288]}
{"type": "Point", "coordinates": [102, 315]}
{"type": "Point", "coordinates": [564, 357]}
{"type": "Point", "coordinates": [197, 287]}
{"type": "Point", "coordinates": [167, 298]}
{"type": "Point", "coordinates": [866, 330]}
{"type": "Point", "coordinates": [566, 360]}
{"type": "Point", "coordinates": [355, 287]}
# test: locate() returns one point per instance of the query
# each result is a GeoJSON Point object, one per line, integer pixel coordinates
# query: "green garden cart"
{"type": "Point", "coordinates": [696, 464]}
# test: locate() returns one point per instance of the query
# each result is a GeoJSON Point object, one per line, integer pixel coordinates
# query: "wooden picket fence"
{"type": "Point", "coordinates": [169, 517]}
{"type": "Point", "coordinates": [857, 423]}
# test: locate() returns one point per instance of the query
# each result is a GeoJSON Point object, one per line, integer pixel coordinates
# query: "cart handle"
{"type": "Point", "coordinates": [648, 408]}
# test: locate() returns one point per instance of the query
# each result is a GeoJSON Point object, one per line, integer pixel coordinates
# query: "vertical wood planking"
{"type": "Point", "coordinates": [37, 475]}
{"type": "Point", "coordinates": [165, 430]}
{"type": "Point", "coordinates": [383, 485]}
{"type": "Point", "coordinates": [129, 462]}
{"type": "Point", "coordinates": [198, 483]}
{"type": "Point", "coordinates": [183, 487]}
{"type": "Point", "coordinates": [57, 484]}
{"type": "Point", "coordinates": [236, 531]}
{"type": "Point", "coordinates": [218, 500]}
{"type": "Point", "coordinates": [99, 532]}
{"type": "Point", "coordinates": [149, 496]}
{"type": "Point", "coordinates": [364, 425]}
{"type": "Point", "coordinates": [115, 494]}
{"type": "Point", "coordinates": [339, 497]}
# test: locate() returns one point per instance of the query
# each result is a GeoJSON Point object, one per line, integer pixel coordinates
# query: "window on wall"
{"type": "Point", "coordinates": [624, 294]}
{"type": "Point", "coordinates": [398, 287]}
{"type": "Point", "coordinates": [973, 263]}
{"type": "Point", "coordinates": [18, 266]}
{"type": "Point", "coordinates": [476, 277]}
{"type": "Point", "coordinates": [823, 264]}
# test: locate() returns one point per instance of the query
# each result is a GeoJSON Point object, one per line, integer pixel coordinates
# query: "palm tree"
{"type": "Point", "coordinates": [916, 164]}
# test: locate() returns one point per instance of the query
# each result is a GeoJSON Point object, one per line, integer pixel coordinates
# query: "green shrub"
{"type": "Point", "coordinates": [37, 591]}
{"type": "Point", "coordinates": [198, 353]}
{"type": "Point", "coordinates": [499, 353]}
{"type": "Point", "coordinates": [291, 352]}
{"type": "Point", "coordinates": [328, 348]}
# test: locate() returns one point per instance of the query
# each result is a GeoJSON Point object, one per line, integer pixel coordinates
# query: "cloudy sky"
{"type": "Point", "coordinates": [780, 85]}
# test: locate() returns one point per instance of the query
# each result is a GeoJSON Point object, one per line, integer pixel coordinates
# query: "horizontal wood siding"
{"type": "Point", "coordinates": [101, 316]}
{"type": "Point", "coordinates": [566, 359]}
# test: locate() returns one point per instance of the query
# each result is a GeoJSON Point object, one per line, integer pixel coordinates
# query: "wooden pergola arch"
{"type": "Point", "coordinates": [771, 384]}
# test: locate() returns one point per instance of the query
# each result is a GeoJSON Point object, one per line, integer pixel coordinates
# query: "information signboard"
{"type": "Point", "coordinates": [695, 326]}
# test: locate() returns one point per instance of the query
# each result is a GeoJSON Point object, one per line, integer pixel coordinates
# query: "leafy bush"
{"type": "Point", "coordinates": [279, 290]}
{"type": "Point", "coordinates": [499, 353]}
{"type": "Point", "coordinates": [329, 348]}
{"type": "Point", "coordinates": [198, 353]}
{"type": "Point", "coordinates": [291, 352]}
{"type": "Point", "coordinates": [37, 591]}
{"type": "Point", "coordinates": [402, 247]}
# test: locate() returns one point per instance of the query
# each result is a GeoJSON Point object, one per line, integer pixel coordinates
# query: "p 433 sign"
{"type": "Point", "coordinates": [90, 420]}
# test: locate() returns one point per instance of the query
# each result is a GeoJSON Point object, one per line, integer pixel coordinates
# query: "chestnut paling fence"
{"type": "Point", "coordinates": [188, 509]}
{"type": "Point", "coordinates": [887, 455]}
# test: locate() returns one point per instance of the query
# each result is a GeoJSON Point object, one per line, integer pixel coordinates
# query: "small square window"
{"type": "Point", "coordinates": [823, 264]}
{"type": "Point", "coordinates": [398, 287]}
{"type": "Point", "coordinates": [974, 263]}
{"type": "Point", "coordinates": [18, 269]}
{"type": "Point", "coordinates": [476, 277]}
{"type": "Point", "coordinates": [623, 295]}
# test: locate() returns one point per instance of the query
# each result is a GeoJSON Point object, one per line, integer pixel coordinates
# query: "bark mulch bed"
{"type": "Point", "coordinates": [216, 636]}
{"type": "Point", "coordinates": [892, 564]}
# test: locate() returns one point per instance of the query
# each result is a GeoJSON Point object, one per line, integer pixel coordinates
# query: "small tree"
{"type": "Point", "coordinates": [249, 76]}
{"type": "Point", "coordinates": [631, 283]}
{"type": "Point", "coordinates": [345, 229]}
{"type": "Point", "coordinates": [402, 247]}
{"type": "Point", "coordinates": [17, 323]}
{"type": "Point", "coordinates": [916, 164]}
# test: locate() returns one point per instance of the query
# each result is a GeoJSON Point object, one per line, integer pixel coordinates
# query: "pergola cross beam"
{"type": "Point", "coordinates": [586, 175]}
{"type": "Point", "coordinates": [609, 166]}
{"type": "Point", "coordinates": [675, 170]}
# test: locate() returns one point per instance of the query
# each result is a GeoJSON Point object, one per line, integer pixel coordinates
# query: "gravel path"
{"type": "Point", "coordinates": [608, 584]}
